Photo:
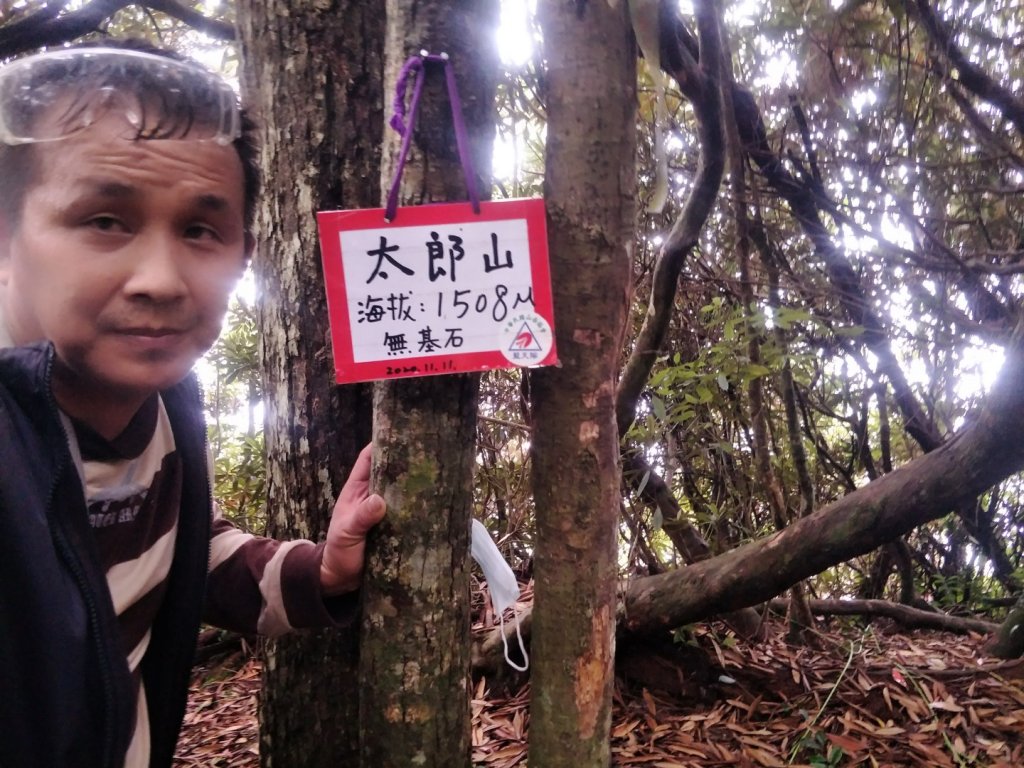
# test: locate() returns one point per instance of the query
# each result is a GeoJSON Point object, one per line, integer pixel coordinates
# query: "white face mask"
{"type": "Point", "coordinates": [500, 581]}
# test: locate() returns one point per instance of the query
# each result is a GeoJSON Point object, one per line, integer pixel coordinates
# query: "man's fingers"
{"type": "Point", "coordinates": [358, 482]}
{"type": "Point", "coordinates": [354, 526]}
{"type": "Point", "coordinates": [369, 512]}
{"type": "Point", "coordinates": [342, 566]}
{"type": "Point", "coordinates": [355, 513]}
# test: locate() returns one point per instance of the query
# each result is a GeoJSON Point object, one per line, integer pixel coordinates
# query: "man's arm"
{"type": "Point", "coordinates": [262, 585]}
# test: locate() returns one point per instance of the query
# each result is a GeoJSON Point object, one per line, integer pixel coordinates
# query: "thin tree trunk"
{"type": "Point", "coordinates": [414, 651]}
{"type": "Point", "coordinates": [316, 87]}
{"type": "Point", "coordinates": [590, 193]}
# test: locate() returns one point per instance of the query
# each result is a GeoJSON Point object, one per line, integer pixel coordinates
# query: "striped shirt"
{"type": "Point", "coordinates": [133, 489]}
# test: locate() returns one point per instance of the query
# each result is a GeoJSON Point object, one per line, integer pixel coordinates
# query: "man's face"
{"type": "Point", "coordinates": [125, 255]}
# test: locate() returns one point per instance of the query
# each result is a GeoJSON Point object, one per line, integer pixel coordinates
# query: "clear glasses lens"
{"type": "Point", "coordinates": [54, 95]}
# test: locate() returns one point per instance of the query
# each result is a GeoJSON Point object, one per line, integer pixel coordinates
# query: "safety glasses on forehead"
{"type": "Point", "coordinates": [54, 95]}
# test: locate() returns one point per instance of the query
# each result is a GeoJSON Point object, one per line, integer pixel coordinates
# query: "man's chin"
{"type": "Point", "coordinates": [132, 383]}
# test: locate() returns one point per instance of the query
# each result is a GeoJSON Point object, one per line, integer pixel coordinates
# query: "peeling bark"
{"type": "Point", "coordinates": [590, 191]}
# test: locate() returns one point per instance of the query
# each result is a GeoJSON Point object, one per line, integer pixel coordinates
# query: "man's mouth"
{"type": "Point", "coordinates": [151, 332]}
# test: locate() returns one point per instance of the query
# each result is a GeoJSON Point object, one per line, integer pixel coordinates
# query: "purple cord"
{"type": "Point", "coordinates": [415, 64]}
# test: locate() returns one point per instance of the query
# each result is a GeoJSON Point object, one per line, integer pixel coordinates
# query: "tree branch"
{"type": "Point", "coordinates": [841, 274]}
{"type": "Point", "coordinates": [215, 28]}
{"type": "Point", "coordinates": [912, 618]}
{"type": "Point", "coordinates": [978, 457]}
{"type": "Point", "coordinates": [48, 27]}
{"type": "Point", "coordinates": [683, 237]}
{"type": "Point", "coordinates": [973, 77]}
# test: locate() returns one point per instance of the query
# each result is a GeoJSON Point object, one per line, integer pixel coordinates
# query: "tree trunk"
{"type": "Point", "coordinates": [414, 666]}
{"type": "Point", "coordinates": [590, 193]}
{"type": "Point", "coordinates": [1009, 640]}
{"type": "Point", "coordinates": [315, 85]}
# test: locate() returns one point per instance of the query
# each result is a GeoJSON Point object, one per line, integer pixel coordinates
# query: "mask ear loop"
{"type": "Point", "coordinates": [504, 642]}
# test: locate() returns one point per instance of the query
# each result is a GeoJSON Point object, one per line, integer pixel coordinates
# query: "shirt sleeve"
{"type": "Point", "coordinates": [261, 585]}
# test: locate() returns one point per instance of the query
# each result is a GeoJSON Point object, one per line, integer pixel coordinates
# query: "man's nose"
{"type": "Point", "coordinates": [157, 269]}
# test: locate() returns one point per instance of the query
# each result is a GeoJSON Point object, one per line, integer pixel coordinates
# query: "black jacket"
{"type": "Point", "coordinates": [66, 697]}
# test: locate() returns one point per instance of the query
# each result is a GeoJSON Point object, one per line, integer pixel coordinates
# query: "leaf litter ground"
{"type": "Point", "coordinates": [856, 697]}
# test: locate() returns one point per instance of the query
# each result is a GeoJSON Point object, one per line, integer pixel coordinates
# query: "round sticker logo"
{"type": "Point", "coordinates": [525, 339]}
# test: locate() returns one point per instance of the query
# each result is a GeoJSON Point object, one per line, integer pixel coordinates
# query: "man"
{"type": "Point", "coordinates": [127, 187]}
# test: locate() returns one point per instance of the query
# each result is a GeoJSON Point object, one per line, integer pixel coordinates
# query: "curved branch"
{"type": "Point", "coordinates": [49, 27]}
{"type": "Point", "coordinates": [970, 75]}
{"type": "Point", "coordinates": [953, 475]}
{"type": "Point", "coordinates": [215, 28]}
{"type": "Point", "coordinates": [702, 86]}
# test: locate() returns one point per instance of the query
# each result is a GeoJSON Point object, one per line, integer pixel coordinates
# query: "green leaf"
{"type": "Point", "coordinates": [658, 406]}
{"type": "Point", "coordinates": [755, 370]}
{"type": "Point", "coordinates": [723, 382]}
{"type": "Point", "coordinates": [643, 482]}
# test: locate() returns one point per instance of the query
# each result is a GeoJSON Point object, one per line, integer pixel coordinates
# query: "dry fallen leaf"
{"type": "Point", "coordinates": [961, 711]}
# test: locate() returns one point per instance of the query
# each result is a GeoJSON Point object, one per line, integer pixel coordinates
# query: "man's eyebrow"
{"type": "Point", "coordinates": [118, 190]}
{"type": "Point", "coordinates": [107, 188]}
{"type": "Point", "coordinates": [212, 202]}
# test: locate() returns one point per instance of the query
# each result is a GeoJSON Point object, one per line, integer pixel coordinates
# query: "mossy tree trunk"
{"type": "Point", "coordinates": [316, 87]}
{"type": "Point", "coordinates": [590, 194]}
{"type": "Point", "coordinates": [1008, 642]}
{"type": "Point", "coordinates": [414, 666]}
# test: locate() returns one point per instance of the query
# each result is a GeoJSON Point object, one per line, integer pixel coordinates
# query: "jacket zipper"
{"type": "Point", "coordinates": [74, 563]}
{"type": "Point", "coordinates": [210, 472]}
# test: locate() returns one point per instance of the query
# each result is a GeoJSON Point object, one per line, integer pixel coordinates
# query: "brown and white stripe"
{"type": "Point", "coordinates": [133, 487]}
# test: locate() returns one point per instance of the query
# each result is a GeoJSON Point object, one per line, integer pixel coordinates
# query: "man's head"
{"type": "Point", "coordinates": [166, 95]}
{"type": "Point", "coordinates": [128, 224]}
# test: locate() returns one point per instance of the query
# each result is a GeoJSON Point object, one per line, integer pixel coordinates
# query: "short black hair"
{"type": "Point", "coordinates": [174, 119]}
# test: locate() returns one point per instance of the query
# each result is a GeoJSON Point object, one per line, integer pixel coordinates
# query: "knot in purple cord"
{"type": "Point", "coordinates": [415, 64]}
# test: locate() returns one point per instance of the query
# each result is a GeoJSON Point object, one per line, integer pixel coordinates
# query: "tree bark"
{"type": "Point", "coordinates": [590, 194]}
{"type": "Point", "coordinates": [1009, 640]}
{"type": "Point", "coordinates": [316, 87]}
{"type": "Point", "coordinates": [414, 665]}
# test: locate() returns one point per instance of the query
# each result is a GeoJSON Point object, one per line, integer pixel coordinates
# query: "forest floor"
{"type": "Point", "coordinates": [857, 696]}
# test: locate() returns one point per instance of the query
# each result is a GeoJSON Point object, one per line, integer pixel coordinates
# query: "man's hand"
{"type": "Point", "coordinates": [355, 513]}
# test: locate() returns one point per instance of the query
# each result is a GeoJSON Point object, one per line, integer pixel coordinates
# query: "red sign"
{"type": "Point", "coordinates": [438, 290]}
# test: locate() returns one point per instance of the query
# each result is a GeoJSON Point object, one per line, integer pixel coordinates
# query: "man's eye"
{"type": "Point", "coordinates": [106, 224]}
{"type": "Point", "coordinates": [201, 232]}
